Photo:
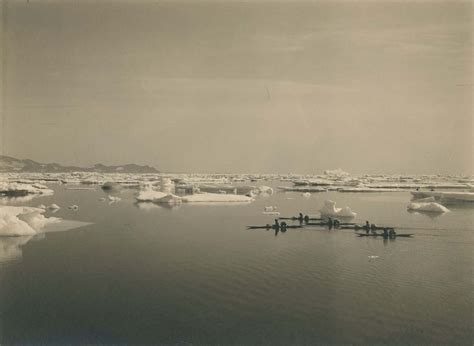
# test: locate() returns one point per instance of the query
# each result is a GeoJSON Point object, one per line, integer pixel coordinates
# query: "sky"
{"type": "Point", "coordinates": [240, 86]}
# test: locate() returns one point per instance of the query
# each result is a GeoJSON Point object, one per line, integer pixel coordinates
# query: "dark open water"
{"type": "Point", "coordinates": [195, 275]}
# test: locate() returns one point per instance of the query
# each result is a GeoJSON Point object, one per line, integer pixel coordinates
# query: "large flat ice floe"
{"type": "Point", "coordinates": [448, 196]}
{"type": "Point", "coordinates": [329, 209]}
{"type": "Point", "coordinates": [215, 197]}
{"type": "Point", "coordinates": [13, 189]}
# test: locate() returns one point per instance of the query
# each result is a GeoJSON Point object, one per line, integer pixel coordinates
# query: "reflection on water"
{"type": "Point", "coordinates": [11, 247]}
{"type": "Point", "coordinates": [148, 273]}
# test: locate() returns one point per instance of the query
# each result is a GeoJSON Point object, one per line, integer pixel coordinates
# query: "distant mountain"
{"type": "Point", "coordinates": [10, 164]}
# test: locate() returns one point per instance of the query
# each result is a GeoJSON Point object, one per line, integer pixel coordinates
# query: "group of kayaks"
{"type": "Point", "coordinates": [371, 230]}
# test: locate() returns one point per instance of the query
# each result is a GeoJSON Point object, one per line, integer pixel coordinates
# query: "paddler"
{"type": "Point", "coordinates": [367, 227]}
{"type": "Point", "coordinates": [306, 218]}
{"type": "Point", "coordinates": [392, 233]}
{"type": "Point", "coordinates": [277, 224]}
{"type": "Point", "coordinates": [385, 232]}
{"type": "Point", "coordinates": [300, 217]}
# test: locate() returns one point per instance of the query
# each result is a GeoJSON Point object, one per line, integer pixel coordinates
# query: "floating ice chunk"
{"type": "Point", "coordinates": [41, 206]}
{"type": "Point", "coordinates": [114, 198]}
{"type": "Point", "coordinates": [22, 221]}
{"type": "Point", "coordinates": [338, 172]}
{"type": "Point", "coordinates": [157, 197]}
{"type": "Point", "coordinates": [329, 209]}
{"type": "Point", "coordinates": [73, 207]}
{"type": "Point", "coordinates": [12, 189]}
{"type": "Point", "coordinates": [267, 209]}
{"type": "Point", "coordinates": [372, 257]}
{"type": "Point", "coordinates": [265, 189]}
{"type": "Point", "coordinates": [54, 207]}
{"type": "Point", "coordinates": [102, 199]}
{"type": "Point", "coordinates": [428, 207]}
{"type": "Point", "coordinates": [306, 194]}
{"type": "Point", "coordinates": [451, 197]}
{"type": "Point", "coordinates": [271, 213]}
{"type": "Point", "coordinates": [215, 197]}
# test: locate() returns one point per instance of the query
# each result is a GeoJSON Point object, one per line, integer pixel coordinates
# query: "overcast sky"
{"type": "Point", "coordinates": [251, 86]}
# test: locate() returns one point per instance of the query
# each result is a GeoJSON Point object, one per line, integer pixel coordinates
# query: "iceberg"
{"type": "Point", "coordinates": [215, 197]}
{"type": "Point", "coordinates": [329, 209]}
{"type": "Point", "coordinates": [157, 197]}
{"type": "Point", "coordinates": [22, 221]}
{"type": "Point", "coordinates": [432, 207]}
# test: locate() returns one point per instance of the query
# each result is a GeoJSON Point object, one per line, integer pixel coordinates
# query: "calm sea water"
{"type": "Point", "coordinates": [195, 275]}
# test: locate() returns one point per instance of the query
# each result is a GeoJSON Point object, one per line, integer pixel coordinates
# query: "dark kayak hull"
{"type": "Point", "coordinates": [381, 235]}
{"type": "Point", "coordinates": [273, 227]}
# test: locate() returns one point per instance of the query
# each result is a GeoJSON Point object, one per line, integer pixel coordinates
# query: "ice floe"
{"type": "Point", "coordinates": [432, 207]}
{"type": "Point", "coordinates": [329, 209]}
{"type": "Point", "coordinates": [154, 196]}
{"type": "Point", "coordinates": [22, 221]}
{"type": "Point", "coordinates": [215, 197]}
{"type": "Point", "coordinates": [446, 196]}
{"type": "Point", "coordinates": [14, 189]}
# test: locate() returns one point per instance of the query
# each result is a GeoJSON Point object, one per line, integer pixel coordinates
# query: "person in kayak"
{"type": "Point", "coordinates": [306, 218]}
{"type": "Point", "coordinates": [300, 217]}
{"type": "Point", "coordinates": [392, 233]}
{"type": "Point", "coordinates": [330, 223]}
{"type": "Point", "coordinates": [283, 226]}
{"type": "Point", "coordinates": [277, 224]}
{"type": "Point", "coordinates": [367, 227]}
{"type": "Point", "coordinates": [385, 232]}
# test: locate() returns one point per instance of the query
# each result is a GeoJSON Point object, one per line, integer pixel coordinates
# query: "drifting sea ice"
{"type": "Point", "coordinates": [150, 195]}
{"type": "Point", "coordinates": [22, 221]}
{"type": "Point", "coordinates": [329, 209]}
{"type": "Point", "coordinates": [215, 197]}
{"type": "Point", "coordinates": [427, 207]}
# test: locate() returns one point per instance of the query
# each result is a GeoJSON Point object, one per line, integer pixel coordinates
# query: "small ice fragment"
{"type": "Point", "coordinates": [41, 206]}
{"type": "Point", "coordinates": [73, 207]}
{"type": "Point", "coordinates": [270, 209]}
{"type": "Point", "coordinates": [54, 207]}
{"type": "Point", "coordinates": [329, 209]}
{"type": "Point", "coordinates": [102, 199]}
{"type": "Point", "coordinates": [373, 256]}
{"type": "Point", "coordinates": [114, 198]}
{"type": "Point", "coordinates": [306, 194]}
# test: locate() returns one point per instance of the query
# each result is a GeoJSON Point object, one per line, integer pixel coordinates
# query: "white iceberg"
{"type": "Point", "coordinates": [329, 209]}
{"type": "Point", "coordinates": [215, 197]}
{"type": "Point", "coordinates": [432, 207]}
{"type": "Point", "coordinates": [157, 197]}
{"type": "Point", "coordinates": [22, 221]}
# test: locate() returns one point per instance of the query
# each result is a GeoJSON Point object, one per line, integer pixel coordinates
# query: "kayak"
{"type": "Point", "coordinates": [299, 218]}
{"type": "Point", "coordinates": [406, 235]}
{"type": "Point", "coordinates": [360, 227]}
{"type": "Point", "coordinates": [268, 226]}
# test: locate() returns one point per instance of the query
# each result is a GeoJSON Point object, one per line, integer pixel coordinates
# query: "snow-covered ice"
{"type": "Point", "coordinates": [329, 209]}
{"type": "Point", "coordinates": [428, 207]}
{"type": "Point", "coordinates": [215, 197]}
{"type": "Point", "coordinates": [22, 221]}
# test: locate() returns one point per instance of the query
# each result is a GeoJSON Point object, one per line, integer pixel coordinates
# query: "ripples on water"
{"type": "Point", "coordinates": [193, 274]}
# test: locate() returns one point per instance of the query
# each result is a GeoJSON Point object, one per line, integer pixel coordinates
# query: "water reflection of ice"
{"type": "Point", "coordinates": [11, 247]}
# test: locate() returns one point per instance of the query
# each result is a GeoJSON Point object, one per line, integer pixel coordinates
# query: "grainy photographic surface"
{"type": "Point", "coordinates": [236, 172]}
